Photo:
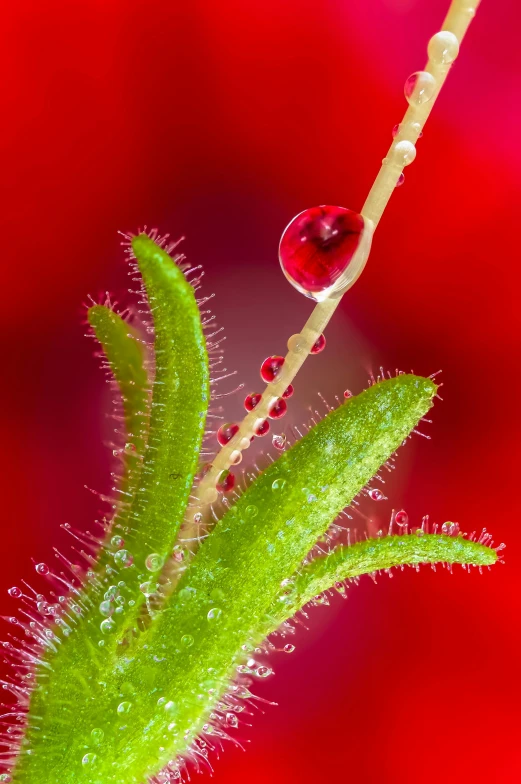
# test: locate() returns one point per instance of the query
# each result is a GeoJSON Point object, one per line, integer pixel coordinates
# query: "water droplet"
{"type": "Point", "coordinates": [171, 707]}
{"type": "Point", "coordinates": [118, 542]}
{"type": "Point", "coordinates": [227, 432]}
{"type": "Point", "coordinates": [214, 614]}
{"type": "Point", "coordinates": [401, 517]}
{"type": "Point", "coordinates": [107, 625]}
{"type": "Point", "coordinates": [443, 48]}
{"type": "Point", "coordinates": [251, 511]}
{"type": "Point", "coordinates": [232, 720]}
{"type": "Point", "coordinates": [263, 672]}
{"type": "Point", "coordinates": [123, 558]}
{"type": "Point", "coordinates": [15, 592]}
{"type": "Point", "coordinates": [179, 553]}
{"type": "Point", "coordinates": [297, 344]}
{"type": "Point", "coordinates": [154, 562]}
{"type": "Point", "coordinates": [187, 594]}
{"type": "Point", "coordinates": [375, 494]}
{"type": "Point", "coordinates": [124, 707]}
{"type": "Point", "coordinates": [149, 588]}
{"type": "Point", "coordinates": [106, 608]}
{"type": "Point", "coordinates": [279, 441]}
{"type": "Point", "coordinates": [317, 248]}
{"type": "Point", "coordinates": [396, 130]}
{"type": "Point", "coordinates": [319, 345]}
{"type": "Point", "coordinates": [288, 391]}
{"type": "Point", "coordinates": [400, 180]}
{"type": "Point", "coordinates": [198, 518]}
{"type": "Point", "coordinates": [419, 532]}
{"type": "Point", "coordinates": [225, 482]}
{"type": "Point", "coordinates": [278, 409]}
{"type": "Point", "coordinates": [271, 367]}
{"type": "Point", "coordinates": [89, 759]}
{"type": "Point", "coordinates": [236, 457]}
{"type": "Point", "coordinates": [187, 640]}
{"type": "Point", "coordinates": [210, 495]}
{"type": "Point", "coordinates": [97, 735]}
{"type": "Point", "coordinates": [243, 669]}
{"type": "Point", "coordinates": [42, 568]}
{"type": "Point", "coordinates": [252, 400]}
{"type": "Point", "coordinates": [402, 153]}
{"type": "Point", "coordinates": [445, 528]}
{"type": "Point", "coordinates": [261, 427]}
{"type": "Point", "coordinates": [289, 648]}
{"type": "Point", "coordinates": [420, 88]}
{"type": "Point", "coordinates": [4, 777]}
{"type": "Point", "coordinates": [278, 485]}
{"type": "Point", "coordinates": [347, 394]}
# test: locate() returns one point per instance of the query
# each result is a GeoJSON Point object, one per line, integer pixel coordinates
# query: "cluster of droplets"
{"type": "Point", "coordinates": [269, 372]}
{"type": "Point", "coordinates": [421, 88]}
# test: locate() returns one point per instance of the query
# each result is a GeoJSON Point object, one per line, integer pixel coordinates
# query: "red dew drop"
{"type": "Point", "coordinates": [226, 433]}
{"type": "Point", "coordinates": [317, 247]}
{"type": "Point", "coordinates": [278, 409]}
{"type": "Point", "coordinates": [401, 518]}
{"type": "Point", "coordinates": [375, 494]}
{"type": "Point", "coordinates": [288, 392]}
{"type": "Point", "coordinates": [319, 345]}
{"type": "Point", "coordinates": [252, 400]}
{"type": "Point", "coordinates": [262, 428]}
{"type": "Point", "coordinates": [348, 394]}
{"type": "Point", "coordinates": [225, 482]}
{"type": "Point", "coordinates": [270, 368]}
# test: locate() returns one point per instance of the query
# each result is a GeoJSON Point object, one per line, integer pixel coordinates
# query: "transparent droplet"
{"type": "Point", "coordinates": [123, 558]}
{"type": "Point", "coordinates": [232, 720]}
{"type": "Point", "coordinates": [97, 735]}
{"type": "Point", "coordinates": [318, 250]}
{"type": "Point", "coordinates": [214, 614]}
{"type": "Point", "coordinates": [278, 485]}
{"type": "Point", "coordinates": [289, 648]}
{"type": "Point", "coordinates": [419, 532]}
{"type": "Point", "coordinates": [117, 542]}
{"type": "Point", "coordinates": [297, 344]}
{"type": "Point", "coordinates": [261, 427]}
{"type": "Point", "coordinates": [347, 394]}
{"type": "Point", "coordinates": [89, 759]}
{"type": "Point", "coordinates": [154, 562]}
{"type": "Point", "coordinates": [279, 441]}
{"type": "Point", "coordinates": [106, 608]}
{"type": "Point", "coordinates": [251, 511]}
{"type": "Point", "coordinates": [319, 345]}
{"type": "Point", "coordinates": [252, 400]}
{"type": "Point", "coordinates": [15, 592]}
{"type": "Point", "coordinates": [236, 457]}
{"type": "Point", "coordinates": [107, 626]}
{"type": "Point", "coordinates": [187, 640]}
{"type": "Point", "coordinates": [124, 707]}
{"type": "Point", "coordinates": [402, 153]}
{"type": "Point", "coordinates": [263, 672]}
{"type": "Point", "coordinates": [170, 707]}
{"type": "Point", "coordinates": [400, 180]}
{"type": "Point", "coordinates": [42, 568]}
{"type": "Point", "coordinates": [375, 494]}
{"type": "Point", "coordinates": [278, 409]}
{"type": "Point", "coordinates": [420, 88]}
{"type": "Point", "coordinates": [271, 367]}
{"type": "Point", "coordinates": [226, 433]}
{"type": "Point", "coordinates": [401, 517]}
{"type": "Point", "coordinates": [445, 528]}
{"type": "Point", "coordinates": [443, 48]}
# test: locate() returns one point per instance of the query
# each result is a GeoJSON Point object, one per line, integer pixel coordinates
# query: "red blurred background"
{"type": "Point", "coordinates": [220, 120]}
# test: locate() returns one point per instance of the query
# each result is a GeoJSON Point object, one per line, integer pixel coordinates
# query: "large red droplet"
{"type": "Point", "coordinates": [317, 246]}
{"type": "Point", "coordinates": [226, 433]}
{"type": "Point", "coordinates": [225, 482]}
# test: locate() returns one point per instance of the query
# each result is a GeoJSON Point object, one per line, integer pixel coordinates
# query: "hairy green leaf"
{"type": "Point", "coordinates": [370, 556]}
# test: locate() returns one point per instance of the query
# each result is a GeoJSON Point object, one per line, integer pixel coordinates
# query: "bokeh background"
{"type": "Point", "coordinates": [219, 120]}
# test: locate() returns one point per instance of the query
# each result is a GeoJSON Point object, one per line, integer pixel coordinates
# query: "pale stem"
{"type": "Point", "coordinates": [457, 21]}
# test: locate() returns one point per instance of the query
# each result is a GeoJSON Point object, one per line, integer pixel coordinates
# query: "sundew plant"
{"type": "Point", "coordinates": [142, 656]}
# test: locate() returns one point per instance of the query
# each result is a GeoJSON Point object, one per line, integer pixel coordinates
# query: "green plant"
{"type": "Point", "coordinates": [149, 657]}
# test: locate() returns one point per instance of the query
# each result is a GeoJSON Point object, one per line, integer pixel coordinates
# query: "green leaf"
{"type": "Point", "coordinates": [222, 600]}
{"type": "Point", "coordinates": [126, 356]}
{"type": "Point", "coordinates": [370, 556]}
{"type": "Point", "coordinates": [180, 398]}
